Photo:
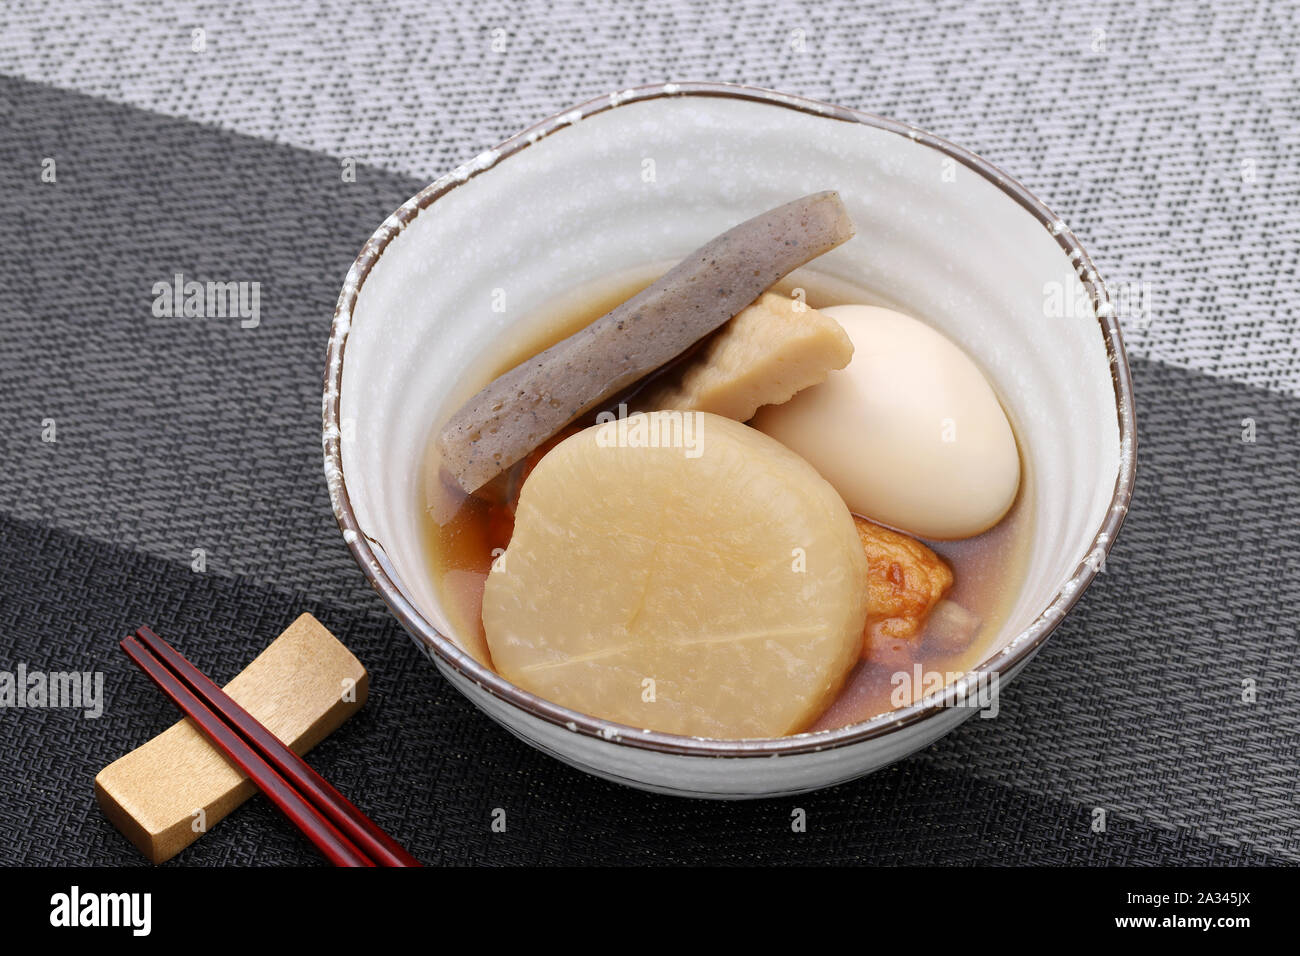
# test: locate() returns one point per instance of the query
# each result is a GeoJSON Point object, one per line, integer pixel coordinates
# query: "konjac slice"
{"type": "Point", "coordinates": [528, 404]}
{"type": "Point", "coordinates": [680, 572]}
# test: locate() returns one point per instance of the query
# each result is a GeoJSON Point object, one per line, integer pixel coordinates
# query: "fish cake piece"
{"type": "Point", "coordinates": [773, 349]}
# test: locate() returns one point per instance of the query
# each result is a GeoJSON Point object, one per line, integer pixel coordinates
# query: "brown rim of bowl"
{"type": "Point", "coordinates": [1004, 661]}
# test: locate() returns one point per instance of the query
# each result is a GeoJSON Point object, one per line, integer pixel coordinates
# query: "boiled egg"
{"type": "Point", "coordinates": [910, 433]}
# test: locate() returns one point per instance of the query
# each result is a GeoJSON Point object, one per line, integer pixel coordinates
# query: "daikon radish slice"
{"type": "Point", "coordinates": [528, 404]}
{"type": "Point", "coordinates": [774, 348]}
{"type": "Point", "coordinates": [680, 572]}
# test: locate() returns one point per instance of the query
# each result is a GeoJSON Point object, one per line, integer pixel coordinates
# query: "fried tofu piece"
{"type": "Point", "coordinates": [768, 352]}
{"type": "Point", "coordinates": [905, 580]}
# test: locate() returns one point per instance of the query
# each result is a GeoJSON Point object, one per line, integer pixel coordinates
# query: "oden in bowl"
{"type": "Point", "coordinates": [497, 260]}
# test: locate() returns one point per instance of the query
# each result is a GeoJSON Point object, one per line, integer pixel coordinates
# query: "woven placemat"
{"type": "Point", "coordinates": [183, 435]}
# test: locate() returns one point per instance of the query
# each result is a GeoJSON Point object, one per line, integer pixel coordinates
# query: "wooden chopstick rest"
{"type": "Point", "coordinates": [168, 792]}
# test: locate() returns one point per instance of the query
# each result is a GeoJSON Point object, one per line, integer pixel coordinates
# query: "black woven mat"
{"type": "Point", "coordinates": [183, 434]}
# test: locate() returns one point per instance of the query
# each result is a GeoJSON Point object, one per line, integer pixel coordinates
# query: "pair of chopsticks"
{"type": "Point", "coordinates": [343, 833]}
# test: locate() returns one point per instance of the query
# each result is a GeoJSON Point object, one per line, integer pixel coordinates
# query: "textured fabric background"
{"type": "Point", "coordinates": [1165, 133]}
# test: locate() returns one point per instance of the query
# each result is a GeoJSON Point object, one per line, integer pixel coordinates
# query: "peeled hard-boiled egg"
{"type": "Point", "coordinates": [910, 433]}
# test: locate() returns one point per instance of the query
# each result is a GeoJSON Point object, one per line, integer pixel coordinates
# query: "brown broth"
{"type": "Point", "coordinates": [462, 532]}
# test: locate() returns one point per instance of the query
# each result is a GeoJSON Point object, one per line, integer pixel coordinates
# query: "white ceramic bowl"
{"type": "Point", "coordinates": [941, 233]}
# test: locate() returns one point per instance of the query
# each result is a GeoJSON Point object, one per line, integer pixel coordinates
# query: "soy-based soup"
{"type": "Point", "coordinates": [464, 533]}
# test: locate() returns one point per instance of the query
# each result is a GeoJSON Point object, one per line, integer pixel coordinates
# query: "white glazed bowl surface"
{"type": "Point", "coordinates": [645, 176]}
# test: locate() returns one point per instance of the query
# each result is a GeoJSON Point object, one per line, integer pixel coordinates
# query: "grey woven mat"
{"type": "Point", "coordinates": [1165, 134]}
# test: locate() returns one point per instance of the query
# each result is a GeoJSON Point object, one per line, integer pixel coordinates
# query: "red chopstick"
{"type": "Point", "coordinates": [343, 833]}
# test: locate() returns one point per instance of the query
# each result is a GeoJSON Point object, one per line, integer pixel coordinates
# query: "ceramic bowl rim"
{"type": "Point", "coordinates": [1007, 660]}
